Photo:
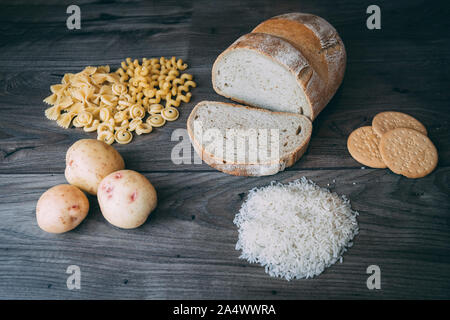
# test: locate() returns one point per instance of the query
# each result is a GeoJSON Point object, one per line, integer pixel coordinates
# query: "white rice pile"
{"type": "Point", "coordinates": [296, 230]}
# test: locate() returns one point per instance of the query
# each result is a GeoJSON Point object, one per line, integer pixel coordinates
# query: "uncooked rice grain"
{"type": "Point", "coordinates": [296, 230]}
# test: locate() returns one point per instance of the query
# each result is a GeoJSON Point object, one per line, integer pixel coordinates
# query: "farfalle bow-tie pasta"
{"type": "Point", "coordinates": [116, 104]}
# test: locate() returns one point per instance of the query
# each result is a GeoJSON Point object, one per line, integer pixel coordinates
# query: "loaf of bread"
{"type": "Point", "coordinates": [293, 63]}
{"type": "Point", "coordinates": [247, 141]}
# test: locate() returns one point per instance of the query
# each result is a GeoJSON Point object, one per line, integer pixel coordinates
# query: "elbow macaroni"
{"type": "Point", "coordinates": [135, 98]}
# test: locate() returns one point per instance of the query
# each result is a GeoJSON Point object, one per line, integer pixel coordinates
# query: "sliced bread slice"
{"type": "Point", "coordinates": [246, 141]}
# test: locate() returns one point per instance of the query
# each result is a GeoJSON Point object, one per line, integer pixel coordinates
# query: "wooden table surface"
{"type": "Point", "coordinates": [186, 249]}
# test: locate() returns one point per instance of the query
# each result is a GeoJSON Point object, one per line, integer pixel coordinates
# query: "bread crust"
{"type": "Point", "coordinates": [236, 169]}
{"type": "Point", "coordinates": [320, 64]}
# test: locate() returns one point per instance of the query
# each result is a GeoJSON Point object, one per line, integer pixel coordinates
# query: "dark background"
{"type": "Point", "coordinates": [186, 249]}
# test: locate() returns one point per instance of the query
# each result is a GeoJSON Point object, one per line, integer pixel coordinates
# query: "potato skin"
{"type": "Point", "coordinates": [61, 208]}
{"type": "Point", "coordinates": [88, 161]}
{"type": "Point", "coordinates": [126, 198]}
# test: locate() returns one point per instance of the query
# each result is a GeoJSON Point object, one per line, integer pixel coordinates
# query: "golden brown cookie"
{"type": "Point", "coordinates": [363, 146]}
{"type": "Point", "coordinates": [389, 120]}
{"type": "Point", "coordinates": [408, 152]}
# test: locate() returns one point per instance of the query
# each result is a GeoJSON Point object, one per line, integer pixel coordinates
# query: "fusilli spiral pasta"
{"type": "Point", "coordinates": [156, 121]}
{"type": "Point", "coordinates": [123, 136]}
{"type": "Point", "coordinates": [106, 136]}
{"type": "Point", "coordinates": [170, 114]}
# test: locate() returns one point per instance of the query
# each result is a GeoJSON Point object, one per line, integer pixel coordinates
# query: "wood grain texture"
{"type": "Point", "coordinates": [186, 250]}
{"type": "Point", "coordinates": [387, 70]}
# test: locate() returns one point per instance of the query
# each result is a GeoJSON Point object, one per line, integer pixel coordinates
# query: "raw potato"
{"type": "Point", "coordinates": [126, 198]}
{"type": "Point", "coordinates": [88, 161]}
{"type": "Point", "coordinates": [61, 208]}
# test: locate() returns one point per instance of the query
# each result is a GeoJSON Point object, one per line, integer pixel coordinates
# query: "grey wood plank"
{"type": "Point", "coordinates": [186, 249]}
{"type": "Point", "coordinates": [387, 69]}
{"type": "Point", "coordinates": [110, 31]}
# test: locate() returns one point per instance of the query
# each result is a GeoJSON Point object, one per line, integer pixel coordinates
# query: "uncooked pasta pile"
{"type": "Point", "coordinates": [136, 98]}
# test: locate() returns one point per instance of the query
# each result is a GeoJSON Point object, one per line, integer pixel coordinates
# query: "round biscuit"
{"type": "Point", "coordinates": [363, 144]}
{"type": "Point", "coordinates": [408, 152]}
{"type": "Point", "coordinates": [389, 120]}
